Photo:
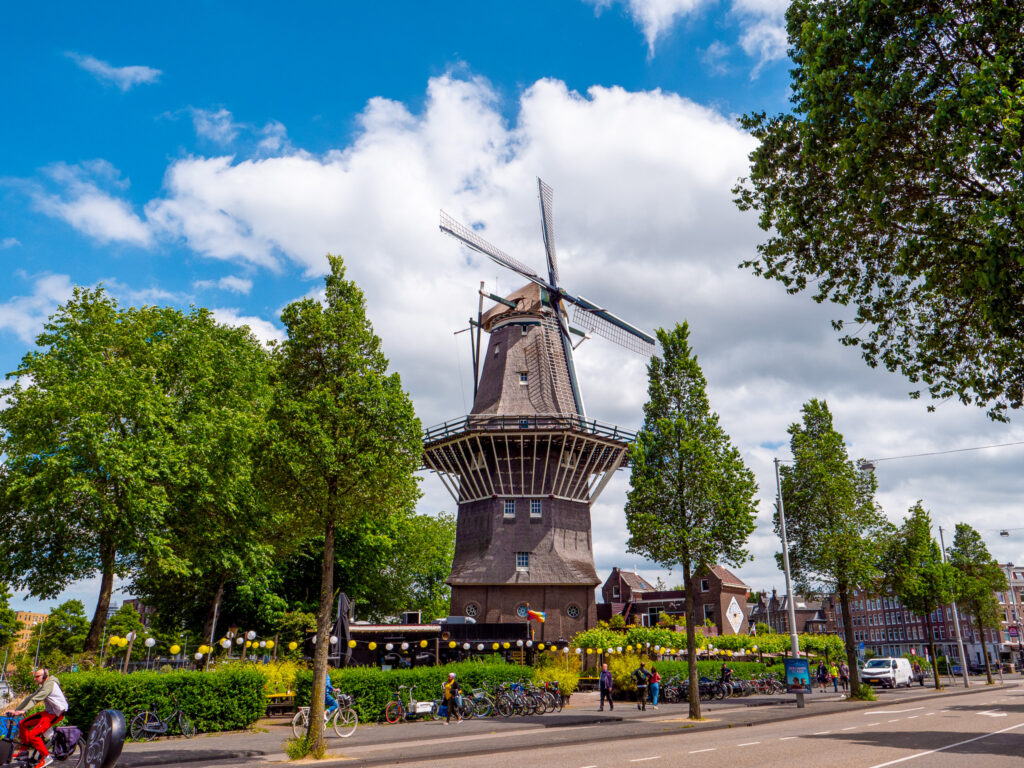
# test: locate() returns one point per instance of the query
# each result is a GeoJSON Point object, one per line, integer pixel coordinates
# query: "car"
{"type": "Point", "coordinates": [888, 672]}
{"type": "Point", "coordinates": [6, 694]}
{"type": "Point", "coordinates": [974, 668]}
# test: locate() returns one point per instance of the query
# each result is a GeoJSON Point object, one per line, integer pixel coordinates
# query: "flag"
{"type": "Point", "coordinates": [536, 615]}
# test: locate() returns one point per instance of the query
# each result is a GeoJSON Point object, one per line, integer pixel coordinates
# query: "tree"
{"type": "Point", "coordinates": [896, 186]}
{"type": "Point", "coordinates": [833, 525]}
{"type": "Point", "coordinates": [979, 577]}
{"type": "Point", "coordinates": [914, 572]}
{"type": "Point", "coordinates": [346, 442]}
{"type": "Point", "coordinates": [88, 437]}
{"type": "Point", "coordinates": [692, 502]}
{"type": "Point", "coordinates": [64, 630]}
{"type": "Point", "coordinates": [9, 624]}
{"type": "Point", "coordinates": [123, 622]}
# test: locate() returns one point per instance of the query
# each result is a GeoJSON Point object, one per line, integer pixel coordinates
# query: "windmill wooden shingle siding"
{"type": "Point", "coordinates": [526, 464]}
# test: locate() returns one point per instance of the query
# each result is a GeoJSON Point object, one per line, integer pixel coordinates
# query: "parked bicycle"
{"type": "Point", "coordinates": [342, 719]}
{"type": "Point", "coordinates": [397, 710]}
{"type": "Point", "coordinates": [147, 724]}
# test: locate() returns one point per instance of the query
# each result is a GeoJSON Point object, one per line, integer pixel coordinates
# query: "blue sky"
{"type": "Point", "coordinates": [211, 154]}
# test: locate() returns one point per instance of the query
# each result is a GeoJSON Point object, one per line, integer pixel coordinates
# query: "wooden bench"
{"type": "Point", "coordinates": [280, 704]}
{"type": "Point", "coordinates": [588, 684]}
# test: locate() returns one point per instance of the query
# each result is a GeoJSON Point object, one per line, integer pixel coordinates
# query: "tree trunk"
{"type": "Point", "coordinates": [323, 646]}
{"type": "Point", "coordinates": [931, 650]}
{"type": "Point", "coordinates": [211, 610]}
{"type": "Point", "coordinates": [99, 618]}
{"type": "Point", "coordinates": [851, 649]}
{"type": "Point", "coordinates": [984, 650]}
{"type": "Point", "coordinates": [691, 642]}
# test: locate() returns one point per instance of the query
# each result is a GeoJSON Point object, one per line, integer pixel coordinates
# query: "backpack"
{"type": "Point", "coordinates": [64, 741]}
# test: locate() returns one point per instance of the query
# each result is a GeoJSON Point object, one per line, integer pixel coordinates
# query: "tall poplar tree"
{"type": "Point", "coordinates": [691, 504]}
{"type": "Point", "coordinates": [347, 439]}
{"type": "Point", "coordinates": [833, 525]}
{"type": "Point", "coordinates": [914, 571]}
{"type": "Point", "coordinates": [979, 577]}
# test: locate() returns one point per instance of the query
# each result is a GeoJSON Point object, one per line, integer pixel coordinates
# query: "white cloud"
{"type": "Point", "coordinates": [216, 125]}
{"type": "Point", "coordinates": [24, 315]}
{"type": "Point", "coordinates": [124, 78]}
{"type": "Point", "coordinates": [655, 17]}
{"type": "Point", "coordinates": [82, 203]}
{"type": "Point", "coordinates": [765, 39]}
{"type": "Point", "coordinates": [231, 283]}
{"type": "Point", "coordinates": [9, 242]}
{"type": "Point", "coordinates": [264, 330]}
{"type": "Point", "coordinates": [714, 58]}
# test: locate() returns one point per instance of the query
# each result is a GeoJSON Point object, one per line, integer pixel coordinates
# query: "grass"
{"type": "Point", "coordinates": [303, 747]}
{"type": "Point", "coordinates": [864, 693]}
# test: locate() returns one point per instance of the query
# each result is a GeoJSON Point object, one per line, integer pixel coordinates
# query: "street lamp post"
{"type": "Point", "coordinates": [794, 642]}
{"type": "Point", "coordinates": [956, 620]}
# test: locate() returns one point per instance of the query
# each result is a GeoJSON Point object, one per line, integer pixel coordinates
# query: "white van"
{"type": "Point", "coordinates": [890, 672]}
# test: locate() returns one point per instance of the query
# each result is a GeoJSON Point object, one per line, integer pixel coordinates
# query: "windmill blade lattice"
{"type": "Point", "coordinates": [470, 238]}
{"type": "Point", "coordinates": [547, 222]}
{"type": "Point", "coordinates": [593, 321]}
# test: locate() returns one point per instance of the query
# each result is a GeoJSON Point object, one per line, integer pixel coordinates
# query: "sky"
{"type": "Point", "coordinates": [213, 153]}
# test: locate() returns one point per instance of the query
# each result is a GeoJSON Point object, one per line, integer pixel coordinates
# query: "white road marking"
{"type": "Point", "coordinates": [911, 717]}
{"type": "Point", "coordinates": [820, 733]}
{"type": "Point", "coordinates": [748, 744]}
{"type": "Point", "coordinates": [641, 759]}
{"type": "Point", "coordinates": [993, 713]}
{"type": "Point", "coordinates": [948, 746]}
{"type": "Point", "coordinates": [787, 738]}
{"type": "Point", "coordinates": [894, 720]}
{"type": "Point", "coordinates": [871, 725]}
{"type": "Point", "coordinates": [850, 728]}
{"type": "Point", "coordinates": [694, 752]}
{"type": "Point", "coordinates": [891, 711]}
{"type": "Point", "coordinates": [928, 714]}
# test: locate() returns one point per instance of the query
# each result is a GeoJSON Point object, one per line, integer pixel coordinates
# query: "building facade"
{"type": "Point", "coordinates": [28, 620]}
{"type": "Point", "coordinates": [720, 603]}
{"type": "Point", "coordinates": [813, 617]}
{"type": "Point", "coordinates": [146, 612]}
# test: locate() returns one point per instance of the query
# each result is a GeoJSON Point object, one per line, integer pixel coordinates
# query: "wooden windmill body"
{"type": "Point", "coordinates": [526, 464]}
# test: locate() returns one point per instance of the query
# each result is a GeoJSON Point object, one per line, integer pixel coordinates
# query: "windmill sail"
{"type": "Point", "coordinates": [547, 221]}
{"type": "Point", "coordinates": [470, 238]}
{"type": "Point", "coordinates": [595, 320]}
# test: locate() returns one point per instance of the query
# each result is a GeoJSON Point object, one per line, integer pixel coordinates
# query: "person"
{"type": "Point", "coordinates": [822, 675]}
{"type": "Point", "coordinates": [31, 729]}
{"type": "Point", "coordinates": [844, 676]}
{"type": "Point", "coordinates": [655, 686]}
{"type": "Point", "coordinates": [605, 685]}
{"type": "Point", "coordinates": [330, 703]}
{"type": "Point", "coordinates": [641, 677]}
{"type": "Point", "coordinates": [833, 672]}
{"type": "Point", "coordinates": [918, 673]}
{"type": "Point", "coordinates": [725, 674]}
{"type": "Point", "coordinates": [452, 699]}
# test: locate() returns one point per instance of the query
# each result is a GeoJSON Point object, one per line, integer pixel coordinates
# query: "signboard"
{"type": "Point", "coordinates": [1012, 632]}
{"type": "Point", "coordinates": [798, 676]}
{"type": "Point", "coordinates": [734, 615]}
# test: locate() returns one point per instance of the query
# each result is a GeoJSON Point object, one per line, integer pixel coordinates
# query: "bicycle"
{"type": "Point", "coordinates": [75, 758]}
{"type": "Point", "coordinates": [396, 709]}
{"type": "Point", "coordinates": [147, 724]}
{"type": "Point", "coordinates": [343, 718]}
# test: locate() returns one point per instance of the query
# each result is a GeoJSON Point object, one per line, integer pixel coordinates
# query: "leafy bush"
{"type": "Point", "coordinates": [226, 699]}
{"type": "Point", "coordinates": [622, 668]}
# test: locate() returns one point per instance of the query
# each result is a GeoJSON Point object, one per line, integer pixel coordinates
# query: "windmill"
{"type": "Point", "coordinates": [589, 316]}
{"type": "Point", "coordinates": [526, 464]}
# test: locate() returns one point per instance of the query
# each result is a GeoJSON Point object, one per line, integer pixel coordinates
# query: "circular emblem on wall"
{"type": "Point", "coordinates": [106, 738]}
{"type": "Point", "coordinates": [472, 610]}
{"type": "Point", "coordinates": [572, 611]}
{"type": "Point", "coordinates": [522, 610]}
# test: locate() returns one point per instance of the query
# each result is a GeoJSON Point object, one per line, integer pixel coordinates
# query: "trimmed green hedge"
{"type": "Point", "coordinates": [622, 667]}
{"type": "Point", "coordinates": [373, 688]}
{"type": "Point", "coordinates": [221, 700]}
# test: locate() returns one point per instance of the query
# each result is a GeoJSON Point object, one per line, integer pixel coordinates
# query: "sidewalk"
{"type": "Point", "coordinates": [381, 743]}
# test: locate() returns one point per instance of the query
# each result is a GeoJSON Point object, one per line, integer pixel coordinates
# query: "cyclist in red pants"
{"type": "Point", "coordinates": [32, 728]}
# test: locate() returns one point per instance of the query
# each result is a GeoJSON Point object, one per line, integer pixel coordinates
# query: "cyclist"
{"type": "Point", "coordinates": [31, 729]}
{"type": "Point", "coordinates": [330, 703]}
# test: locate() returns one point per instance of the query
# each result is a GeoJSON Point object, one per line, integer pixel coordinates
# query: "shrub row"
{"type": "Point", "coordinates": [622, 668]}
{"type": "Point", "coordinates": [373, 688]}
{"type": "Point", "coordinates": [221, 700]}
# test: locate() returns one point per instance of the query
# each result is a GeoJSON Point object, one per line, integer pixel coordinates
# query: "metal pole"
{"type": "Point", "coordinates": [793, 640]}
{"type": "Point", "coordinates": [956, 621]}
{"type": "Point", "coordinates": [213, 633]}
{"type": "Point", "coordinates": [39, 637]}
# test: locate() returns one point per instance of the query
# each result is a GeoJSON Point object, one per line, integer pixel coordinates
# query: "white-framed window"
{"type": "Point", "coordinates": [524, 378]}
{"type": "Point", "coordinates": [534, 507]}
{"type": "Point", "coordinates": [705, 586]}
{"type": "Point", "coordinates": [525, 329]}
{"type": "Point", "coordinates": [522, 561]}
{"type": "Point", "coordinates": [709, 612]}
{"type": "Point", "coordinates": [510, 508]}
{"type": "Point", "coordinates": [615, 591]}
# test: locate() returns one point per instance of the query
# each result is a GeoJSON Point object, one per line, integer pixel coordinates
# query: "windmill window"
{"type": "Point", "coordinates": [497, 349]}
{"type": "Point", "coordinates": [534, 507]}
{"type": "Point", "coordinates": [522, 610]}
{"type": "Point", "coordinates": [522, 561]}
{"type": "Point", "coordinates": [573, 611]}
{"type": "Point", "coordinates": [510, 508]}
{"type": "Point", "coordinates": [524, 423]}
{"type": "Point", "coordinates": [524, 328]}
{"type": "Point", "coordinates": [524, 377]}
{"type": "Point", "coordinates": [472, 610]}
{"type": "Point", "coordinates": [569, 460]}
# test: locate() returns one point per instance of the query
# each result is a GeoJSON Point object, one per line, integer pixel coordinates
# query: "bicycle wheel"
{"type": "Point", "coordinates": [185, 726]}
{"type": "Point", "coordinates": [504, 706]}
{"type": "Point", "coordinates": [394, 712]}
{"type": "Point", "coordinates": [345, 722]}
{"type": "Point", "coordinates": [144, 726]}
{"type": "Point", "coordinates": [482, 707]}
{"type": "Point", "coordinates": [77, 757]}
{"type": "Point", "coordinates": [300, 723]}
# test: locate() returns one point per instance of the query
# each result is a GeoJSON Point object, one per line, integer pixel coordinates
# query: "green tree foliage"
{"type": "Point", "coordinates": [914, 572]}
{"type": "Point", "coordinates": [979, 577]}
{"type": "Point", "coordinates": [692, 502]}
{"type": "Point", "coordinates": [347, 440]}
{"type": "Point", "coordinates": [124, 621]}
{"type": "Point", "coordinates": [63, 632]}
{"type": "Point", "coordinates": [834, 526]}
{"type": "Point", "coordinates": [896, 186]}
{"type": "Point", "coordinates": [89, 442]}
{"type": "Point", "coordinates": [9, 624]}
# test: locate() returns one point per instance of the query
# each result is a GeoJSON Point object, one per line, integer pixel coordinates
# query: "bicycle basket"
{"type": "Point", "coordinates": [346, 700]}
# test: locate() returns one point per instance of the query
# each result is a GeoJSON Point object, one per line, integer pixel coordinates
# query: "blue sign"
{"type": "Point", "coordinates": [798, 676]}
{"type": "Point", "coordinates": [862, 646]}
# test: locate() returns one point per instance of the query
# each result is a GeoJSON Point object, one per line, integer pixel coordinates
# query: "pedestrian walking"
{"type": "Point", "coordinates": [844, 676]}
{"type": "Point", "coordinates": [641, 677]}
{"type": "Point", "coordinates": [605, 685]}
{"type": "Point", "coordinates": [822, 675]}
{"type": "Point", "coordinates": [655, 686]}
{"type": "Point", "coordinates": [833, 672]}
{"type": "Point", "coordinates": [453, 699]}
